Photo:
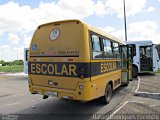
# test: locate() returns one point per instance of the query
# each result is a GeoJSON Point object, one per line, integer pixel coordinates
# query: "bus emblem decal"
{"type": "Point", "coordinates": [54, 34]}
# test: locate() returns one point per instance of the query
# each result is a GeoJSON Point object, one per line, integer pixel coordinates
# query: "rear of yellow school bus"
{"type": "Point", "coordinates": [60, 63]}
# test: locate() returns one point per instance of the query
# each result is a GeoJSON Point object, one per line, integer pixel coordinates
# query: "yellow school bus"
{"type": "Point", "coordinates": [72, 60]}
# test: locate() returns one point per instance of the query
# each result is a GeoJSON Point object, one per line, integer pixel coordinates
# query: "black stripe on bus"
{"type": "Point", "coordinates": [55, 68]}
{"type": "Point", "coordinates": [58, 56]}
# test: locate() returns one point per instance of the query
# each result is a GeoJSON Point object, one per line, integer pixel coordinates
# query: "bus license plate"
{"type": "Point", "coordinates": [52, 93]}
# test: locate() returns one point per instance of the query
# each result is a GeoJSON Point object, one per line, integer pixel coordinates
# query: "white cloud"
{"type": "Point", "coordinates": [151, 9]}
{"type": "Point", "coordinates": [109, 29]}
{"type": "Point", "coordinates": [27, 40]}
{"type": "Point", "coordinates": [5, 47]}
{"type": "Point", "coordinates": [117, 33]}
{"type": "Point", "coordinates": [7, 53]}
{"type": "Point", "coordinates": [100, 9]}
{"type": "Point", "coordinates": [18, 20]}
{"type": "Point", "coordinates": [132, 7]}
{"type": "Point", "coordinates": [146, 30]}
{"type": "Point", "coordinates": [77, 8]}
{"type": "Point", "coordinates": [11, 53]}
{"type": "Point", "coordinates": [24, 19]}
{"type": "Point", "coordinates": [15, 18]}
{"type": "Point", "coordinates": [13, 38]}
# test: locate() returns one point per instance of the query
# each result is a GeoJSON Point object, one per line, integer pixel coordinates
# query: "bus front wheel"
{"type": "Point", "coordinates": [108, 94]}
{"type": "Point", "coordinates": [135, 72]}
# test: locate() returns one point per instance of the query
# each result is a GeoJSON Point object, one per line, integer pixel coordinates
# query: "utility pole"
{"type": "Point", "coordinates": [125, 22]}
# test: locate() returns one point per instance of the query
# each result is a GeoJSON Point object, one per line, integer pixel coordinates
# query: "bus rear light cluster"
{"type": "Point", "coordinates": [81, 73]}
{"type": "Point", "coordinates": [81, 69]}
{"type": "Point", "coordinates": [82, 76]}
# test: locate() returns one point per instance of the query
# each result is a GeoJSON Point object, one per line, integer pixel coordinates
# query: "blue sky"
{"type": "Point", "coordinates": [19, 19]}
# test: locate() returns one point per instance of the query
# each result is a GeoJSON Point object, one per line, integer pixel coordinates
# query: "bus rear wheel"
{"type": "Point", "coordinates": [134, 72]}
{"type": "Point", "coordinates": [108, 94]}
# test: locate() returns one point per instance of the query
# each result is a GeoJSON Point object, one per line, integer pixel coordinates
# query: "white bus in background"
{"type": "Point", "coordinates": [145, 57]}
{"type": "Point", "coordinates": [26, 60]}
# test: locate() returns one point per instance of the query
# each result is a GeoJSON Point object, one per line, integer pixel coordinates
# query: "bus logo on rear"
{"type": "Point", "coordinates": [54, 34]}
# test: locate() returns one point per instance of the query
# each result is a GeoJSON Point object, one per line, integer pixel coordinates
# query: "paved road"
{"type": "Point", "coordinates": [150, 83]}
{"type": "Point", "coordinates": [15, 99]}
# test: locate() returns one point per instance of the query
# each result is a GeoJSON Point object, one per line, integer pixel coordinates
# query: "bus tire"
{"type": "Point", "coordinates": [134, 72]}
{"type": "Point", "coordinates": [108, 94]}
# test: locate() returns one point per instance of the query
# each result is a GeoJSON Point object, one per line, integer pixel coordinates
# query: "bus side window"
{"type": "Point", "coordinates": [96, 47]}
{"type": "Point", "coordinates": [108, 52]}
{"type": "Point", "coordinates": [116, 50]}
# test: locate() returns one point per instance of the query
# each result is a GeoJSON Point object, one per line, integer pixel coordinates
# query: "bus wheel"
{"type": "Point", "coordinates": [108, 94]}
{"type": "Point", "coordinates": [135, 72]}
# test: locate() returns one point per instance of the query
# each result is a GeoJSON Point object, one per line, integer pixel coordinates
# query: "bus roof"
{"type": "Point", "coordinates": [92, 28]}
{"type": "Point", "coordinates": [141, 42]}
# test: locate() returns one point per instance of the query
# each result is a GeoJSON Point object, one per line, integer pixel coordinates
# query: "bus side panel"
{"type": "Point", "coordinates": [101, 77]}
{"type": "Point", "coordinates": [155, 59]}
{"type": "Point", "coordinates": [84, 54]}
{"type": "Point", "coordinates": [99, 82]}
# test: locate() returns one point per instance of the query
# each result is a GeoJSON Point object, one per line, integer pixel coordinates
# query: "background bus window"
{"type": "Point", "coordinates": [145, 51]}
{"type": "Point", "coordinates": [116, 50]}
{"type": "Point", "coordinates": [96, 47]}
{"type": "Point", "coordinates": [141, 50]}
{"type": "Point", "coordinates": [108, 53]}
{"type": "Point", "coordinates": [146, 58]}
{"type": "Point", "coordinates": [148, 52]}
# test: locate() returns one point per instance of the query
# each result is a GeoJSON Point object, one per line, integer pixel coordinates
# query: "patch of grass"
{"type": "Point", "coordinates": [15, 68]}
{"type": "Point", "coordinates": [158, 71]}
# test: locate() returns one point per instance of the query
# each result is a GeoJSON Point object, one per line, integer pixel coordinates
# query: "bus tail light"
{"type": "Point", "coordinates": [82, 76]}
{"type": "Point", "coordinates": [81, 69]}
{"type": "Point", "coordinates": [81, 73]}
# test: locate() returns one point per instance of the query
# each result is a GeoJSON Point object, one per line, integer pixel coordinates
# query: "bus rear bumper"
{"type": "Point", "coordinates": [76, 94]}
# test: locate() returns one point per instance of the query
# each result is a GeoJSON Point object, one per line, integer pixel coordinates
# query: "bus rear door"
{"type": "Point", "coordinates": [130, 58]}
{"type": "Point", "coordinates": [125, 64]}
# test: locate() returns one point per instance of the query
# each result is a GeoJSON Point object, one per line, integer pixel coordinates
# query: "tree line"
{"type": "Point", "coordinates": [15, 62]}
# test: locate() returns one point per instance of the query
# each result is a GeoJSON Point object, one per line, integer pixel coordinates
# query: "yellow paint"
{"type": "Point", "coordinates": [72, 40]}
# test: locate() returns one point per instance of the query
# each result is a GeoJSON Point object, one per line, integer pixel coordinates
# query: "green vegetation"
{"type": "Point", "coordinates": [14, 68]}
{"type": "Point", "coordinates": [158, 71]}
{"type": "Point", "coordinates": [12, 63]}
